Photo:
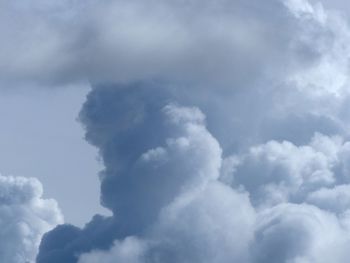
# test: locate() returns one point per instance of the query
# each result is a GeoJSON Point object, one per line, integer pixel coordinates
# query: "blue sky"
{"type": "Point", "coordinates": [40, 130]}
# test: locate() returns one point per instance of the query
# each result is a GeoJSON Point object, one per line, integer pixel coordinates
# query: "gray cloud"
{"type": "Point", "coordinates": [222, 127]}
{"type": "Point", "coordinates": [190, 211]}
{"type": "Point", "coordinates": [192, 42]}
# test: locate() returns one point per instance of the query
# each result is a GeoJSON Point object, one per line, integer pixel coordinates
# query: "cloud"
{"type": "Point", "coordinates": [188, 217]}
{"type": "Point", "coordinates": [112, 40]}
{"type": "Point", "coordinates": [191, 229]}
{"type": "Point", "coordinates": [285, 171]}
{"type": "Point", "coordinates": [281, 171]}
{"type": "Point", "coordinates": [290, 223]}
{"type": "Point", "coordinates": [299, 233]}
{"type": "Point", "coordinates": [200, 42]}
{"type": "Point", "coordinates": [24, 218]}
{"type": "Point", "coordinates": [331, 199]}
{"type": "Point", "coordinates": [218, 223]}
{"type": "Point", "coordinates": [129, 250]}
{"type": "Point", "coordinates": [204, 202]}
{"type": "Point", "coordinates": [222, 128]}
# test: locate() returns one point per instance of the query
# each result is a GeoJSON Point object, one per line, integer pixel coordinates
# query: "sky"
{"type": "Point", "coordinates": [174, 131]}
{"type": "Point", "coordinates": [338, 5]}
{"type": "Point", "coordinates": [40, 130]}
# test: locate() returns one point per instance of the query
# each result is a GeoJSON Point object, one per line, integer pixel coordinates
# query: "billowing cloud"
{"type": "Point", "coordinates": [176, 197]}
{"type": "Point", "coordinates": [24, 218]}
{"type": "Point", "coordinates": [276, 171]}
{"type": "Point", "coordinates": [191, 230]}
{"type": "Point", "coordinates": [191, 213]}
{"type": "Point", "coordinates": [222, 127]}
{"type": "Point", "coordinates": [300, 233]}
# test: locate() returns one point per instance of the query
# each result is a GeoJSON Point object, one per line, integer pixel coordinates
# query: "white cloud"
{"type": "Point", "coordinates": [335, 199]}
{"type": "Point", "coordinates": [299, 234]}
{"type": "Point", "coordinates": [281, 171]}
{"type": "Point", "coordinates": [130, 250]}
{"type": "Point", "coordinates": [24, 218]}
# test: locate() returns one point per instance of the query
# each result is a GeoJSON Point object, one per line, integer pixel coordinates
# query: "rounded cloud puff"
{"type": "Point", "coordinates": [24, 218]}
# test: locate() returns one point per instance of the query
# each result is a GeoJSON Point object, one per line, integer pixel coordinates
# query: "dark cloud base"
{"type": "Point", "coordinates": [66, 242]}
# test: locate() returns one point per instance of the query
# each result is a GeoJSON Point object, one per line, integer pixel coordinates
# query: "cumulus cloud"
{"type": "Point", "coordinates": [299, 233]}
{"type": "Point", "coordinates": [331, 199]}
{"type": "Point", "coordinates": [24, 218]}
{"type": "Point", "coordinates": [192, 212]}
{"type": "Point", "coordinates": [285, 171]}
{"type": "Point", "coordinates": [192, 229]}
{"type": "Point", "coordinates": [222, 127]}
{"type": "Point", "coordinates": [273, 212]}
